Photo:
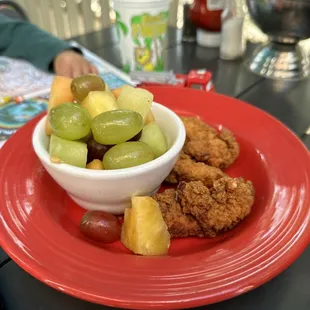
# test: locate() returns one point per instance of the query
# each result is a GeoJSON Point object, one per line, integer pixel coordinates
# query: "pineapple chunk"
{"type": "Point", "coordinates": [135, 99]}
{"type": "Point", "coordinates": [98, 102]}
{"type": "Point", "coordinates": [144, 230]}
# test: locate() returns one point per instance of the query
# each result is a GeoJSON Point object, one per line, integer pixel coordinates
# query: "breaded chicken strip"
{"type": "Point", "coordinates": [188, 170]}
{"type": "Point", "coordinates": [205, 144]}
{"type": "Point", "coordinates": [179, 224]}
{"type": "Point", "coordinates": [218, 208]}
{"type": "Point", "coordinates": [196, 129]}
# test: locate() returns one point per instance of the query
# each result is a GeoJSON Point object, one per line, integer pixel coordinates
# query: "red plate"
{"type": "Point", "coordinates": [39, 223]}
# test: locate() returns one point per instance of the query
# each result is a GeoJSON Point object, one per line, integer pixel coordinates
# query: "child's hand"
{"type": "Point", "coordinates": [71, 64]}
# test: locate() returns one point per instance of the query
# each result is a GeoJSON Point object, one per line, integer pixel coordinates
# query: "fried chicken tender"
{"type": "Point", "coordinates": [197, 129]}
{"type": "Point", "coordinates": [219, 208]}
{"type": "Point", "coordinates": [179, 224]}
{"type": "Point", "coordinates": [206, 201]}
{"type": "Point", "coordinates": [188, 170]}
{"type": "Point", "coordinates": [205, 144]}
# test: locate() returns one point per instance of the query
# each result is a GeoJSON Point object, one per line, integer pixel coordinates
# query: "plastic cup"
{"type": "Point", "coordinates": [142, 28]}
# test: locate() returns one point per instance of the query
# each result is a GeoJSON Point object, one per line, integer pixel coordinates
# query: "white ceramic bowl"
{"type": "Point", "coordinates": [111, 190]}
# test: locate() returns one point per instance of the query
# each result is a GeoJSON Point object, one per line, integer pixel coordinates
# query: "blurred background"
{"type": "Point", "coordinates": [70, 18]}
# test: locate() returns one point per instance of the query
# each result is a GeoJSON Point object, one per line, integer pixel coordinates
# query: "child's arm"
{"type": "Point", "coordinates": [20, 39]}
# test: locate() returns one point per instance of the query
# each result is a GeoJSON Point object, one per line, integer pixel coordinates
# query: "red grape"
{"type": "Point", "coordinates": [96, 150]}
{"type": "Point", "coordinates": [137, 136]}
{"type": "Point", "coordinates": [100, 226]}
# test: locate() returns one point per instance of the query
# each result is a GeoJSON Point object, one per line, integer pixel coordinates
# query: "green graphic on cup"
{"type": "Point", "coordinates": [120, 26]}
{"type": "Point", "coordinates": [142, 36]}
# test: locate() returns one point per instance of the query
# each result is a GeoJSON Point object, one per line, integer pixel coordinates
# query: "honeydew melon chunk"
{"type": "Point", "coordinates": [135, 99]}
{"type": "Point", "coordinates": [69, 152]}
{"type": "Point", "coordinates": [153, 136]}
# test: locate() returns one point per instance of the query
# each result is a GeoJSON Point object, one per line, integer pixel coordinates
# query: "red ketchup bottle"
{"type": "Point", "coordinates": [206, 15]}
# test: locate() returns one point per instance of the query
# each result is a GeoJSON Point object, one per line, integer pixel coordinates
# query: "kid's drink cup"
{"type": "Point", "coordinates": [142, 28]}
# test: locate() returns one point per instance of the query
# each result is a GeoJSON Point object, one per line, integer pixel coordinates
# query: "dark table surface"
{"type": "Point", "coordinates": [289, 102]}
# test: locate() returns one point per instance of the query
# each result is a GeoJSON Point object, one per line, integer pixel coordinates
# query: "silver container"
{"type": "Point", "coordinates": [286, 22]}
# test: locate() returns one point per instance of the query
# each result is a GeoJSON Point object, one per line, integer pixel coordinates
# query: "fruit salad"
{"type": "Point", "coordinates": [92, 127]}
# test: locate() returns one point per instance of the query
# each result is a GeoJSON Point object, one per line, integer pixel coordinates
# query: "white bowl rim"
{"type": "Point", "coordinates": [176, 147]}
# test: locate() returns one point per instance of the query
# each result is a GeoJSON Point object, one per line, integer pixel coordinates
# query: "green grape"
{"type": "Point", "coordinates": [82, 85]}
{"type": "Point", "coordinates": [127, 154]}
{"type": "Point", "coordinates": [116, 126]}
{"type": "Point", "coordinates": [70, 152]}
{"type": "Point", "coordinates": [69, 121]}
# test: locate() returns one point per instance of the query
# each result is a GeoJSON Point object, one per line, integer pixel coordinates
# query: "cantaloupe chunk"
{"type": "Point", "coordinates": [150, 118]}
{"type": "Point", "coordinates": [60, 93]}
